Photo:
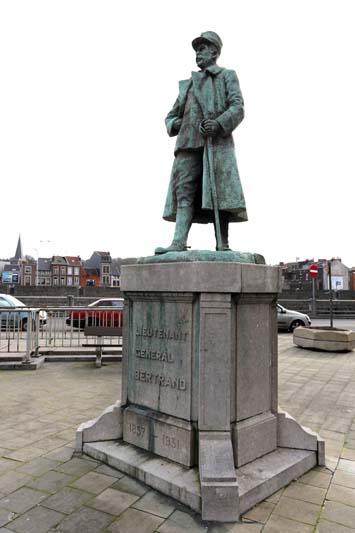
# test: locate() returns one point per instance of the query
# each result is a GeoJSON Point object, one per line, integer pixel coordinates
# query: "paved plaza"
{"type": "Point", "coordinates": [44, 488]}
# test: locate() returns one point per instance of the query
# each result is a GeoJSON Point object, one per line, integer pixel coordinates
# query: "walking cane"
{"type": "Point", "coordinates": [214, 191]}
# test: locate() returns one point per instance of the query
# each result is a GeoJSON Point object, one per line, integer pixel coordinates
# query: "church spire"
{"type": "Point", "coordinates": [19, 253]}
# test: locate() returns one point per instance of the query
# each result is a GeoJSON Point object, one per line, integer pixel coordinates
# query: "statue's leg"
{"type": "Point", "coordinates": [224, 223]}
{"type": "Point", "coordinates": [182, 227]}
{"type": "Point", "coordinates": [187, 171]}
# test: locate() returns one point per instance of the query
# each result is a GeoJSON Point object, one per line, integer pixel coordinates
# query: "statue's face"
{"type": "Point", "coordinates": [205, 56]}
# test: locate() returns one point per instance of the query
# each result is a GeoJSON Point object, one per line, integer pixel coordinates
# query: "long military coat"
{"type": "Point", "coordinates": [220, 98]}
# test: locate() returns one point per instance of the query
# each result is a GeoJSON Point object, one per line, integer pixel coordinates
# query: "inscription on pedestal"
{"type": "Point", "coordinates": [159, 354]}
{"type": "Point", "coordinates": [160, 434]}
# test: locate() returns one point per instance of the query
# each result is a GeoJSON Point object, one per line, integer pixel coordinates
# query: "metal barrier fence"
{"type": "Point", "coordinates": [341, 308]}
{"type": "Point", "coordinates": [26, 330]}
{"type": "Point", "coordinates": [17, 330]}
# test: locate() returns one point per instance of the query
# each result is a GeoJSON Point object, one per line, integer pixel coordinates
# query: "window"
{"type": "Point", "coordinates": [106, 280]}
{"type": "Point", "coordinates": [69, 280]}
{"type": "Point", "coordinates": [55, 270]}
{"type": "Point", "coordinates": [106, 269]}
{"type": "Point", "coordinates": [28, 269]}
{"type": "Point", "coordinates": [27, 280]}
{"type": "Point", "coordinates": [62, 270]}
{"type": "Point", "coordinates": [48, 281]}
{"type": "Point", "coordinates": [76, 280]}
{"type": "Point", "coordinates": [76, 271]}
{"type": "Point", "coordinates": [104, 303]}
{"type": "Point", "coordinates": [55, 281]}
{"type": "Point", "coordinates": [70, 271]}
{"type": "Point", "coordinates": [62, 280]}
{"type": "Point", "coordinates": [4, 303]}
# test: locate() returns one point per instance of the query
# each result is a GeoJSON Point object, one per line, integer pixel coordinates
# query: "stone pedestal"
{"type": "Point", "coordinates": [199, 388]}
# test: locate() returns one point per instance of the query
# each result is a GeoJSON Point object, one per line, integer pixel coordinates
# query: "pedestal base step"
{"type": "Point", "coordinates": [256, 480]}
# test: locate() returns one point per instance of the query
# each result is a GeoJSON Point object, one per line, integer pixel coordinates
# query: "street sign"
{"type": "Point", "coordinates": [313, 271]}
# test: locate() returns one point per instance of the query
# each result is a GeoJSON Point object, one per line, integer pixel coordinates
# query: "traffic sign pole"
{"type": "Point", "coordinates": [313, 272]}
{"type": "Point", "coordinates": [314, 310]}
{"type": "Point", "coordinates": [330, 292]}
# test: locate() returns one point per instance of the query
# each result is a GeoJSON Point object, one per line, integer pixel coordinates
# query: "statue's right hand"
{"type": "Point", "coordinates": [202, 130]}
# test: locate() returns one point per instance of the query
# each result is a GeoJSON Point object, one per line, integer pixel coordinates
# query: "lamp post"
{"type": "Point", "coordinates": [37, 253]}
{"type": "Point", "coordinates": [330, 292]}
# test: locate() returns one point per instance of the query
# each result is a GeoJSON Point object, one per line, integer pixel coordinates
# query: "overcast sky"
{"type": "Point", "coordinates": [85, 159]}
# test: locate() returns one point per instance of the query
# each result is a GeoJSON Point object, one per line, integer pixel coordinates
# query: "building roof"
{"type": "Point", "coordinates": [73, 260]}
{"type": "Point", "coordinates": [97, 258]}
{"type": "Point", "coordinates": [104, 256]}
{"type": "Point", "coordinates": [58, 259]}
{"type": "Point", "coordinates": [44, 263]}
{"type": "Point", "coordinates": [11, 268]}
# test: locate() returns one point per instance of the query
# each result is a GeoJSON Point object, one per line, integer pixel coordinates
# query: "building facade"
{"type": "Point", "coordinates": [296, 277]}
{"type": "Point", "coordinates": [59, 271]}
{"type": "Point", "coordinates": [100, 264]}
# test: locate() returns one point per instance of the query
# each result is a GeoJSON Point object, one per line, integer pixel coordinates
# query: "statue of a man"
{"type": "Point", "coordinates": [204, 183]}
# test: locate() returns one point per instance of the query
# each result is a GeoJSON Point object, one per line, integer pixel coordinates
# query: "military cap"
{"type": "Point", "coordinates": [209, 37]}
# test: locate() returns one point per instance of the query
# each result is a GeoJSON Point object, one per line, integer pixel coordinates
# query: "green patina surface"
{"type": "Point", "coordinates": [204, 184]}
{"type": "Point", "coordinates": [204, 255]}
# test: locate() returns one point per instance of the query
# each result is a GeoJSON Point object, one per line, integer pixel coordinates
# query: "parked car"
{"type": "Point", "coordinates": [19, 319]}
{"type": "Point", "coordinates": [290, 320]}
{"type": "Point", "coordinates": [96, 315]}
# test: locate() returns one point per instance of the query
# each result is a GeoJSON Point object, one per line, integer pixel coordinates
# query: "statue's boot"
{"type": "Point", "coordinates": [182, 227]}
{"type": "Point", "coordinates": [224, 224]}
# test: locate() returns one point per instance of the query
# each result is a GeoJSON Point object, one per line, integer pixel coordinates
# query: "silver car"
{"type": "Point", "coordinates": [289, 320]}
{"type": "Point", "coordinates": [13, 317]}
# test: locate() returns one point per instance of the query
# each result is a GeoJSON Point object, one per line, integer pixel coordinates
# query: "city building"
{"type": "Point", "coordinates": [296, 277]}
{"type": "Point", "coordinates": [90, 277]}
{"type": "Point", "coordinates": [11, 274]}
{"type": "Point", "coordinates": [73, 271]}
{"type": "Point", "coordinates": [99, 265]}
{"type": "Point", "coordinates": [28, 271]}
{"type": "Point", "coordinates": [59, 271]}
{"type": "Point", "coordinates": [44, 271]}
{"type": "Point", "coordinates": [115, 278]}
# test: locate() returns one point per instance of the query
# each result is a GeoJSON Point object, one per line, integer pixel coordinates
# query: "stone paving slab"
{"type": "Point", "coordinates": [85, 520]}
{"type": "Point", "coordinates": [67, 500]}
{"type": "Point", "coordinates": [22, 500]}
{"type": "Point", "coordinates": [330, 527]}
{"type": "Point", "coordinates": [94, 482]}
{"type": "Point", "coordinates": [132, 521]}
{"type": "Point", "coordinates": [37, 520]}
{"type": "Point", "coordinates": [51, 481]}
{"type": "Point", "coordinates": [44, 488]}
{"type": "Point", "coordinates": [113, 501]}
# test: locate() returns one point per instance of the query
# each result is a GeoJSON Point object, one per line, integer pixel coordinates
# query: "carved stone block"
{"type": "Point", "coordinates": [160, 353]}
{"type": "Point", "coordinates": [254, 437]}
{"type": "Point", "coordinates": [160, 434]}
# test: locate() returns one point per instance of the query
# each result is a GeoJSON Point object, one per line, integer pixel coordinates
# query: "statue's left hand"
{"type": "Point", "coordinates": [211, 127]}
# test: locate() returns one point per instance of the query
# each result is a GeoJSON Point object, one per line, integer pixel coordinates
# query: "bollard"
{"type": "Point", "coordinates": [27, 356]}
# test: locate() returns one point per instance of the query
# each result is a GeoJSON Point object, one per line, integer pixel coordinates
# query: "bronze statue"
{"type": "Point", "coordinates": [204, 184]}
